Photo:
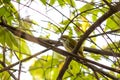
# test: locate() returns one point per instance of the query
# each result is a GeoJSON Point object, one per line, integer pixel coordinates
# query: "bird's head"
{"type": "Point", "coordinates": [65, 37]}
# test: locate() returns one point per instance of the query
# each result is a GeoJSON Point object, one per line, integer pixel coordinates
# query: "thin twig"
{"type": "Point", "coordinates": [108, 32]}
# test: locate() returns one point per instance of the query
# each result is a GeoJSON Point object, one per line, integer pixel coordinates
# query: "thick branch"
{"type": "Point", "coordinates": [87, 49]}
{"type": "Point", "coordinates": [31, 38]}
{"type": "Point", "coordinates": [45, 44]}
{"type": "Point", "coordinates": [109, 32]}
{"type": "Point", "coordinates": [64, 67]}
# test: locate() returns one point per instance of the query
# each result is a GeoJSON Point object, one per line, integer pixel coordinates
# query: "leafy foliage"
{"type": "Point", "coordinates": [45, 68]}
{"type": "Point", "coordinates": [72, 19]}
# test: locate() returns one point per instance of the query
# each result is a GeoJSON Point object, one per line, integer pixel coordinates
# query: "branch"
{"type": "Point", "coordinates": [87, 49]}
{"type": "Point", "coordinates": [76, 58]}
{"type": "Point", "coordinates": [64, 67]}
{"type": "Point", "coordinates": [11, 74]}
{"type": "Point", "coordinates": [109, 32]}
{"type": "Point", "coordinates": [31, 38]}
{"type": "Point", "coordinates": [45, 44]}
{"type": "Point", "coordinates": [23, 60]}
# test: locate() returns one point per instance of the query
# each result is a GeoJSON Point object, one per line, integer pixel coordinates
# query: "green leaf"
{"type": "Point", "coordinates": [1, 56]}
{"type": "Point", "coordinates": [2, 36]}
{"type": "Point", "coordinates": [10, 40]}
{"type": "Point", "coordinates": [96, 57]}
{"type": "Point", "coordinates": [118, 76]}
{"type": "Point", "coordinates": [18, 1]}
{"type": "Point", "coordinates": [70, 31]}
{"type": "Point", "coordinates": [26, 25]}
{"type": "Point", "coordinates": [61, 3]}
{"type": "Point", "coordinates": [13, 10]}
{"type": "Point", "coordinates": [65, 22]}
{"type": "Point", "coordinates": [7, 38]}
{"type": "Point", "coordinates": [95, 15]}
{"type": "Point", "coordinates": [45, 68]}
{"type": "Point", "coordinates": [77, 29]}
{"type": "Point", "coordinates": [23, 47]}
{"type": "Point", "coordinates": [4, 75]}
{"type": "Point", "coordinates": [71, 2]}
{"type": "Point", "coordinates": [75, 67]}
{"type": "Point", "coordinates": [113, 22]}
{"type": "Point", "coordinates": [59, 56]}
{"type": "Point", "coordinates": [54, 28]}
{"type": "Point", "coordinates": [52, 2]}
{"type": "Point", "coordinates": [9, 13]}
{"type": "Point", "coordinates": [43, 1]}
{"type": "Point", "coordinates": [86, 7]}
{"type": "Point", "coordinates": [6, 1]}
{"type": "Point", "coordinates": [2, 11]}
{"type": "Point", "coordinates": [75, 71]}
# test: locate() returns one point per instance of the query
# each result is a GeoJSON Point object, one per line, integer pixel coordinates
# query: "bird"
{"type": "Point", "coordinates": [70, 43]}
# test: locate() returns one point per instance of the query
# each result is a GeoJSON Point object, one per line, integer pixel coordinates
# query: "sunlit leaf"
{"type": "Point", "coordinates": [85, 24]}
{"type": "Point", "coordinates": [18, 1]}
{"type": "Point", "coordinates": [113, 22]}
{"type": "Point", "coordinates": [43, 1]}
{"type": "Point", "coordinates": [58, 56]}
{"type": "Point", "coordinates": [4, 75]}
{"type": "Point", "coordinates": [52, 2]}
{"type": "Point", "coordinates": [61, 3]}
{"type": "Point", "coordinates": [13, 10]}
{"type": "Point", "coordinates": [7, 38]}
{"type": "Point", "coordinates": [118, 75]}
{"type": "Point", "coordinates": [95, 15]}
{"type": "Point", "coordinates": [86, 7]}
{"type": "Point", "coordinates": [26, 25]}
{"type": "Point", "coordinates": [9, 13]}
{"type": "Point", "coordinates": [23, 47]}
{"type": "Point", "coordinates": [65, 22]}
{"type": "Point", "coordinates": [54, 28]}
{"type": "Point", "coordinates": [76, 71]}
{"type": "Point", "coordinates": [2, 11]}
{"type": "Point", "coordinates": [78, 29]}
{"type": "Point", "coordinates": [94, 56]}
{"type": "Point", "coordinates": [61, 66]}
{"type": "Point", "coordinates": [10, 40]}
{"type": "Point", "coordinates": [6, 1]}
{"type": "Point", "coordinates": [70, 2]}
{"type": "Point", "coordinates": [45, 69]}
